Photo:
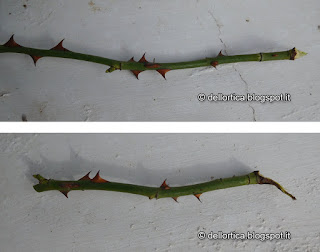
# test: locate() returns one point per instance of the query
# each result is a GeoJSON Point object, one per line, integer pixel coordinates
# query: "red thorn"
{"type": "Point", "coordinates": [163, 72]}
{"type": "Point", "coordinates": [59, 47]}
{"type": "Point", "coordinates": [12, 43]}
{"type": "Point", "coordinates": [198, 196]}
{"type": "Point", "coordinates": [98, 179]}
{"type": "Point", "coordinates": [136, 73]}
{"type": "Point", "coordinates": [35, 59]}
{"type": "Point", "coordinates": [274, 55]}
{"type": "Point", "coordinates": [86, 177]}
{"type": "Point", "coordinates": [175, 199]}
{"type": "Point", "coordinates": [143, 59]}
{"type": "Point", "coordinates": [164, 185]}
{"type": "Point", "coordinates": [65, 193]}
{"type": "Point", "coordinates": [220, 54]}
{"type": "Point", "coordinates": [131, 60]}
{"type": "Point", "coordinates": [214, 63]}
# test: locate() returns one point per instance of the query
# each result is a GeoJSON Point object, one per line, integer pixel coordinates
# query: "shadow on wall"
{"type": "Point", "coordinates": [77, 167]}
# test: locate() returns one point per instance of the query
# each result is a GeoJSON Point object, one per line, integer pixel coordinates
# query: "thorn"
{"type": "Point", "coordinates": [220, 54]}
{"type": "Point", "coordinates": [12, 43]}
{"type": "Point", "coordinates": [85, 177]}
{"type": "Point", "coordinates": [274, 55]}
{"type": "Point", "coordinates": [131, 60]}
{"type": "Point", "coordinates": [136, 73]}
{"type": "Point", "coordinates": [59, 47]}
{"type": "Point", "coordinates": [35, 59]}
{"type": "Point", "coordinates": [65, 193]}
{"type": "Point", "coordinates": [175, 199]}
{"type": "Point", "coordinates": [98, 179]}
{"type": "Point", "coordinates": [198, 196]}
{"type": "Point", "coordinates": [164, 185]}
{"type": "Point", "coordinates": [143, 59]}
{"type": "Point", "coordinates": [214, 63]}
{"type": "Point", "coordinates": [163, 72]}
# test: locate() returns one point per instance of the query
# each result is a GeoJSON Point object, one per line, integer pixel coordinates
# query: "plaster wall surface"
{"type": "Point", "coordinates": [113, 221]}
{"type": "Point", "coordinates": [169, 31]}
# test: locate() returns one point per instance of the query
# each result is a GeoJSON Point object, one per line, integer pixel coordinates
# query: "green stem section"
{"type": "Point", "coordinates": [59, 54]}
{"type": "Point", "coordinates": [154, 192]}
{"type": "Point", "coordinates": [142, 65]}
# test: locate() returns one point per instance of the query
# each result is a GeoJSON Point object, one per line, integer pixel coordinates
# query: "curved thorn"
{"type": "Point", "coordinates": [220, 54]}
{"type": "Point", "coordinates": [143, 59]}
{"type": "Point", "coordinates": [11, 43]}
{"type": "Point", "coordinates": [136, 73]}
{"type": "Point", "coordinates": [98, 179]}
{"type": "Point", "coordinates": [163, 72]}
{"type": "Point", "coordinates": [175, 199]}
{"type": "Point", "coordinates": [86, 177]}
{"type": "Point", "coordinates": [59, 47]}
{"type": "Point", "coordinates": [131, 60]}
{"type": "Point", "coordinates": [35, 59]}
{"type": "Point", "coordinates": [65, 193]}
{"type": "Point", "coordinates": [198, 196]}
{"type": "Point", "coordinates": [164, 185]}
{"type": "Point", "coordinates": [214, 63]}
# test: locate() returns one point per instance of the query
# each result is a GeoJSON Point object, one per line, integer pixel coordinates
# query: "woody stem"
{"type": "Point", "coordinates": [142, 66]}
{"type": "Point", "coordinates": [156, 192]}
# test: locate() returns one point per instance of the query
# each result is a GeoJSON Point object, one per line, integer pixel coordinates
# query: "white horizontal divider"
{"type": "Point", "coordinates": [160, 127]}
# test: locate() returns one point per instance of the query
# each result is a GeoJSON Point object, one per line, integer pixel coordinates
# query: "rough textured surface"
{"type": "Point", "coordinates": [100, 221]}
{"type": "Point", "coordinates": [59, 89]}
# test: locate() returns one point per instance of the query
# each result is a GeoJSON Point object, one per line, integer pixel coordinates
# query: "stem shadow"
{"type": "Point", "coordinates": [77, 166]}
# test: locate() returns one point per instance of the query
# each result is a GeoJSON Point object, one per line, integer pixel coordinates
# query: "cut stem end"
{"type": "Point", "coordinates": [264, 180]}
{"type": "Point", "coordinates": [299, 54]}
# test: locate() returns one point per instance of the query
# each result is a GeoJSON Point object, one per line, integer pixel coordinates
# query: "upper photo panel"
{"type": "Point", "coordinates": [183, 60]}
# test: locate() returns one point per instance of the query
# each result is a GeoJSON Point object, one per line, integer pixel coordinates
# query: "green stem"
{"type": "Point", "coordinates": [137, 67]}
{"type": "Point", "coordinates": [164, 191]}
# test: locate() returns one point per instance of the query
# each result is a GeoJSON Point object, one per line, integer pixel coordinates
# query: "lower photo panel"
{"type": "Point", "coordinates": [159, 192]}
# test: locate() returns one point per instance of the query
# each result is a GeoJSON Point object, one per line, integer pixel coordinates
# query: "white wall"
{"type": "Point", "coordinates": [169, 31]}
{"type": "Point", "coordinates": [111, 221]}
